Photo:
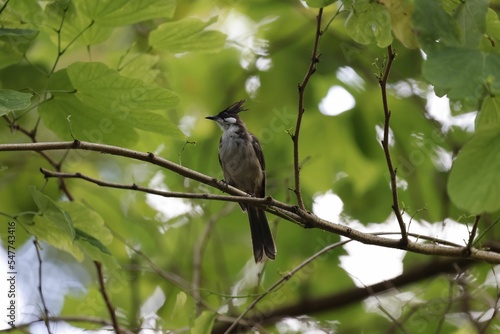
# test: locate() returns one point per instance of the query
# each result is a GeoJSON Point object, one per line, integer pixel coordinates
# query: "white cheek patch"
{"type": "Point", "coordinates": [230, 120]}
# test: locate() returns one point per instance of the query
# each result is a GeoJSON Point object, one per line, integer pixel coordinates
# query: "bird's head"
{"type": "Point", "coordinates": [229, 116]}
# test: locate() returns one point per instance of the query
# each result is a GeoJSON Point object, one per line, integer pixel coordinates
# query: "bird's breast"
{"type": "Point", "coordinates": [239, 162]}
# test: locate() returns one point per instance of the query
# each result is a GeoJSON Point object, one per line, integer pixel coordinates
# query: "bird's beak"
{"type": "Point", "coordinates": [213, 118]}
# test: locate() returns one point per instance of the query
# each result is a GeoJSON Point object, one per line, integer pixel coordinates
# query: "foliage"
{"type": "Point", "coordinates": [142, 75]}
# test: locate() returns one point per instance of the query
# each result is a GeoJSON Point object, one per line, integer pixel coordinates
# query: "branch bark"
{"type": "Point", "coordinates": [385, 144]}
{"type": "Point", "coordinates": [302, 87]}
{"type": "Point", "coordinates": [342, 299]}
{"type": "Point", "coordinates": [40, 290]}
{"type": "Point", "coordinates": [292, 213]}
{"type": "Point", "coordinates": [104, 293]}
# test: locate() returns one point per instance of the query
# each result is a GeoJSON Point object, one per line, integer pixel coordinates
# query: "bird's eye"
{"type": "Point", "coordinates": [230, 120]}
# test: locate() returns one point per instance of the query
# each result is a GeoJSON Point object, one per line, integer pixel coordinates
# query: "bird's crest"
{"type": "Point", "coordinates": [235, 108]}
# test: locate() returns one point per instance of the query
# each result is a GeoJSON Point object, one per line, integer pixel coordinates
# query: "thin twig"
{"type": "Point", "coordinates": [340, 10]}
{"type": "Point", "coordinates": [40, 291]}
{"type": "Point", "coordinates": [107, 301]}
{"type": "Point", "coordinates": [487, 323]}
{"type": "Point", "coordinates": [447, 308]}
{"type": "Point", "coordinates": [207, 196]}
{"type": "Point", "coordinates": [176, 280]}
{"type": "Point", "coordinates": [60, 50]}
{"type": "Point", "coordinates": [32, 136]}
{"type": "Point", "coordinates": [284, 279]}
{"type": "Point", "coordinates": [4, 6]}
{"type": "Point", "coordinates": [395, 322]}
{"type": "Point", "coordinates": [301, 88]}
{"type": "Point", "coordinates": [76, 319]}
{"type": "Point", "coordinates": [472, 234]}
{"type": "Point", "coordinates": [198, 251]}
{"type": "Point", "coordinates": [341, 299]}
{"type": "Point", "coordinates": [385, 144]}
{"type": "Point", "coordinates": [289, 212]}
{"type": "Point", "coordinates": [262, 202]}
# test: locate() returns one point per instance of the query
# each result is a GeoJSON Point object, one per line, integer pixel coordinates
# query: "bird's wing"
{"type": "Point", "coordinates": [260, 156]}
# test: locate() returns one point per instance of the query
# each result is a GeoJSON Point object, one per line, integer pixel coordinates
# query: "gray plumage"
{"type": "Point", "coordinates": [243, 165]}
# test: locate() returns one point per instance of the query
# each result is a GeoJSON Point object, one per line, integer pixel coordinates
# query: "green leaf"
{"type": "Point", "coordinates": [87, 221]}
{"type": "Point", "coordinates": [94, 249]}
{"type": "Point", "coordinates": [12, 100]}
{"type": "Point", "coordinates": [489, 115]}
{"type": "Point", "coordinates": [105, 88]}
{"type": "Point", "coordinates": [24, 34]}
{"type": "Point", "coordinates": [14, 43]}
{"type": "Point", "coordinates": [401, 17]}
{"type": "Point", "coordinates": [180, 303]}
{"type": "Point", "coordinates": [463, 73]}
{"type": "Point", "coordinates": [137, 64]}
{"type": "Point", "coordinates": [82, 236]}
{"type": "Point", "coordinates": [319, 3]}
{"type": "Point", "coordinates": [47, 230]}
{"type": "Point", "coordinates": [492, 30]}
{"type": "Point", "coordinates": [91, 234]}
{"type": "Point", "coordinates": [434, 26]}
{"type": "Point", "coordinates": [474, 180]}
{"type": "Point", "coordinates": [128, 99]}
{"type": "Point", "coordinates": [471, 18]}
{"type": "Point", "coordinates": [124, 12]}
{"type": "Point", "coordinates": [53, 225]}
{"type": "Point", "coordinates": [187, 35]}
{"type": "Point", "coordinates": [77, 28]}
{"type": "Point", "coordinates": [66, 116]}
{"type": "Point", "coordinates": [369, 22]}
{"type": "Point", "coordinates": [48, 208]}
{"type": "Point", "coordinates": [204, 323]}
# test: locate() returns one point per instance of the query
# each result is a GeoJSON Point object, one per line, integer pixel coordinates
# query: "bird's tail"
{"type": "Point", "coordinates": [262, 238]}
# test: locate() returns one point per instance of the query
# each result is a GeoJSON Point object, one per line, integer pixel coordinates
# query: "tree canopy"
{"type": "Point", "coordinates": [379, 122]}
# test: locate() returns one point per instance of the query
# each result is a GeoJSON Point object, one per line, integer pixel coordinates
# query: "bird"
{"type": "Point", "coordinates": [243, 166]}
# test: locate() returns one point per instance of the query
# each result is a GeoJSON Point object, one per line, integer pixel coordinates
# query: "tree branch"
{"type": "Point", "coordinates": [243, 198]}
{"type": "Point", "coordinates": [199, 250]}
{"type": "Point", "coordinates": [342, 299]}
{"type": "Point", "coordinates": [79, 319]}
{"type": "Point", "coordinates": [302, 87]}
{"type": "Point", "coordinates": [293, 213]}
{"type": "Point", "coordinates": [284, 279]}
{"type": "Point", "coordinates": [45, 310]}
{"type": "Point", "coordinates": [472, 234]}
{"type": "Point", "coordinates": [104, 293]}
{"type": "Point", "coordinates": [32, 136]}
{"type": "Point", "coordinates": [385, 144]}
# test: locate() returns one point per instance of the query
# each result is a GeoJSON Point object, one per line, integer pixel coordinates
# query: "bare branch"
{"type": "Point", "coordinates": [77, 319]}
{"type": "Point", "coordinates": [199, 248]}
{"type": "Point", "coordinates": [341, 299]}
{"type": "Point", "coordinates": [104, 293]}
{"type": "Point", "coordinates": [385, 144]}
{"type": "Point", "coordinates": [32, 136]}
{"type": "Point", "coordinates": [284, 279]}
{"type": "Point", "coordinates": [176, 280]}
{"type": "Point", "coordinates": [242, 198]}
{"type": "Point", "coordinates": [289, 212]}
{"type": "Point", "coordinates": [302, 87]}
{"type": "Point", "coordinates": [472, 234]}
{"type": "Point", "coordinates": [45, 310]}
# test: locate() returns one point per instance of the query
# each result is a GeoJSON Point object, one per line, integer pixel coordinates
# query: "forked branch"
{"type": "Point", "coordinates": [386, 146]}
{"type": "Point", "coordinates": [289, 212]}
{"type": "Point", "coordinates": [302, 87]}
